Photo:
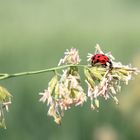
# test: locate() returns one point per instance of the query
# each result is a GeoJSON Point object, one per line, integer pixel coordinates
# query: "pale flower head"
{"type": "Point", "coordinates": [63, 92]}
{"type": "Point", "coordinates": [71, 57]}
{"type": "Point", "coordinates": [46, 96]}
{"type": "Point", "coordinates": [109, 80]}
{"type": "Point", "coordinates": [70, 91]}
{"type": "Point", "coordinates": [5, 101]}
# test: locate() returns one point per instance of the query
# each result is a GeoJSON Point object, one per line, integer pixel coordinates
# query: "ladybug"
{"type": "Point", "coordinates": [101, 59]}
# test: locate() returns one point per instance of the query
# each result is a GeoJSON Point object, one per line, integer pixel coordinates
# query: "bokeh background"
{"type": "Point", "coordinates": [35, 33]}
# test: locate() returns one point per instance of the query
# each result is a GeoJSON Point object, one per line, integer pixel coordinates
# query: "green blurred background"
{"type": "Point", "coordinates": [35, 33]}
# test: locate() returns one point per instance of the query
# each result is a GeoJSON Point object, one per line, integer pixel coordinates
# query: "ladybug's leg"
{"type": "Point", "coordinates": [105, 65]}
{"type": "Point", "coordinates": [110, 64]}
{"type": "Point", "coordinates": [92, 63]}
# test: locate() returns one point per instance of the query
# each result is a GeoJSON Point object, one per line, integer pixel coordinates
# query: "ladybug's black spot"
{"type": "Point", "coordinates": [98, 56]}
{"type": "Point", "coordinates": [97, 61]}
{"type": "Point", "coordinates": [103, 61]}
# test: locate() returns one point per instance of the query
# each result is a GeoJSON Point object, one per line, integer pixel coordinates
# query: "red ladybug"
{"type": "Point", "coordinates": [101, 59]}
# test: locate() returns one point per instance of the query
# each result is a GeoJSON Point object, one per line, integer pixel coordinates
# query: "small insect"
{"type": "Point", "coordinates": [101, 59]}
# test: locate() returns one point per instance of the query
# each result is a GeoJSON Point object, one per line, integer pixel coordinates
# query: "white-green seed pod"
{"type": "Point", "coordinates": [4, 94]}
{"type": "Point", "coordinates": [52, 84]}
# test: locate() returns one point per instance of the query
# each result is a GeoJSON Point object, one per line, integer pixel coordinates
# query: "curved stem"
{"type": "Point", "coordinates": [6, 75]}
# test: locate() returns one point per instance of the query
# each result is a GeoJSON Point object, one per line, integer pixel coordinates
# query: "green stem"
{"type": "Point", "coordinates": [6, 75]}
